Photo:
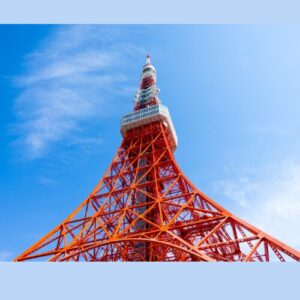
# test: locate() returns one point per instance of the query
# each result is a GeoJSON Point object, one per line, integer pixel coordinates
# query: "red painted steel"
{"type": "Point", "coordinates": [177, 221]}
{"type": "Point", "coordinates": [145, 209]}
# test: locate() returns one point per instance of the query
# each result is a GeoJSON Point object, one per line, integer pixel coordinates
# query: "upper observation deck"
{"type": "Point", "coordinates": [148, 115]}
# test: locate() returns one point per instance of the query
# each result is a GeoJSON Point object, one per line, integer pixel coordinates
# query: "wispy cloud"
{"type": "Point", "coordinates": [6, 256]}
{"type": "Point", "coordinates": [274, 129]}
{"type": "Point", "coordinates": [68, 79]}
{"type": "Point", "coordinates": [269, 199]}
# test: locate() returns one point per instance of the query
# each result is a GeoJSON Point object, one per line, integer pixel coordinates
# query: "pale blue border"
{"type": "Point", "coordinates": [45, 281]}
{"type": "Point", "coordinates": [154, 11]}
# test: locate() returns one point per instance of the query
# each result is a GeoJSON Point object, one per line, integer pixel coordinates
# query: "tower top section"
{"type": "Point", "coordinates": [148, 107]}
{"type": "Point", "coordinates": [147, 94]}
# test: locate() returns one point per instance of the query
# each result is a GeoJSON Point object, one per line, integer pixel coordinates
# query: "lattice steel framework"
{"type": "Point", "coordinates": [145, 209]}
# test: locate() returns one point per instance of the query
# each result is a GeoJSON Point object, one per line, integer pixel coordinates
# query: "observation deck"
{"type": "Point", "coordinates": [148, 115]}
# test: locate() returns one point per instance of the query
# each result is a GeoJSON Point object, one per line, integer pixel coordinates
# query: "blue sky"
{"type": "Point", "coordinates": [233, 93]}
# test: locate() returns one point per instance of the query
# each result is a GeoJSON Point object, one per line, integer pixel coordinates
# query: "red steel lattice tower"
{"type": "Point", "coordinates": [145, 209]}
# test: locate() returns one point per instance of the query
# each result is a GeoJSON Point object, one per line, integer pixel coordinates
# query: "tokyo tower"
{"type": "Point", "coordinates": [145, 209]}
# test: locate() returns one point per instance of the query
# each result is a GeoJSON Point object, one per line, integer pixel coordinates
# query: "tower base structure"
{"type": "Point", "coordinates": [145, 209]}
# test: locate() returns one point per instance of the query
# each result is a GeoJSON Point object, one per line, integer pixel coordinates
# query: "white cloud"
{"type": "Point", "coordinates": [66, 82]}
{"type": "Point", "coordinates": [269, 199]}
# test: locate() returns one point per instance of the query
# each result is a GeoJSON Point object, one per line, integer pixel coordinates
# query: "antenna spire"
{"type": "Point", "coordinates": [148, 61]}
